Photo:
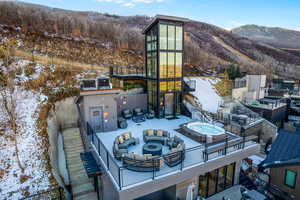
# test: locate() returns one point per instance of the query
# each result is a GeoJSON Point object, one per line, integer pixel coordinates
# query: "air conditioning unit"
{"type": "Point", "coordinates": [95, 83]}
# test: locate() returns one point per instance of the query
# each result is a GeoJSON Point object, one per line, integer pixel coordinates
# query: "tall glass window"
{"type": "Point", "coordinates": [171, 65]}
{"type": "Point", "coordinates": [163, 65]}
{"type": "Point", "coordinates": [179, 38]}
{"type": "Point", "coordinates": [171, 37]}
{"type": "Point", "coordinates": [216, 180]}
{"type": "Point", "coordinates": [229, 175]}
{"type": "Point", "coordinates": [163, 86]}
{"type": "Point", "coordinates": [178, 65]}
{"type": "Point", "coordinates": [171, 85]}
{"type": "Point", "coordinates": [178, 85]}
{"type": "Point", "coordinates": [163, 36]}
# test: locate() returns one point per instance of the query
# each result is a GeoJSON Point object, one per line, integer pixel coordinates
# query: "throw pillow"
{"type": "Point", "coordinates": [150, 132]}
{"type": "Point", "coordinates": [126, 136]}
{"type": "Point", "coordinates": [121, 140]}
{"type": "Point", "coordinates": [159, 133]}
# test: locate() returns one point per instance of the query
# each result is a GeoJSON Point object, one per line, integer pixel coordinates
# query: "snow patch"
{"type": "Point", "coordinates": [207, 94]}
{"type": "Point", "coordinates": [30, 150]}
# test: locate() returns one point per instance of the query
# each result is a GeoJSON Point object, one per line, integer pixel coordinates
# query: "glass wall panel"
{"type": "Point", "coordinates": [163, 86]}
{"type": "Point", "coordinates": [202, 185]}
{"type": "Point", "coordinates": [171, 85]}
{"type": "Point", "coordinates": [178, 85]}
{"type": "Point", "coordinates": [171, 37]}
{"type": "Point", "coordinates": [229, 175]}
{"type": "Point", "coordinates": [178, 65]}
{"type": "Point", "coordinates": [163, 65]}
{"type": "Point", "coordinates": [163, 36]}
{"type": "Point", "coordinates": [221, 179]}
{"type": "Point", "coordinates": [179, 38]}
{"type": "Point", "coordinates": [171, 65]}
{"type": "Point", "coordinates": [212, 182]}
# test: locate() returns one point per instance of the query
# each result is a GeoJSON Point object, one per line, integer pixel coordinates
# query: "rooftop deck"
{"type": "Point", "coordinates": [195, 153]}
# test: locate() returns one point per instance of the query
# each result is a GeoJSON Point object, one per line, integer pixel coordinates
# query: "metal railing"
{"type": "Point", "coordinates": [124, 177]}
{"type": "Point", "coordinates": [127, 71]}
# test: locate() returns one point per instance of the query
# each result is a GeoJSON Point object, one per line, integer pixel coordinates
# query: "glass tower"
{"type": "Point", "coordinates": [164, 42]}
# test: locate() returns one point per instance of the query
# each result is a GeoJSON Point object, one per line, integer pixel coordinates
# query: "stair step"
{"type": "Point", "coordinates": [83, 188]}
{"type": "Point", "coordinates": [88, 196]}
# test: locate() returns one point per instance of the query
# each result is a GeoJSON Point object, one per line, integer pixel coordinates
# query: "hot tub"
{"type": "Point", "coordinates": [204, 132]}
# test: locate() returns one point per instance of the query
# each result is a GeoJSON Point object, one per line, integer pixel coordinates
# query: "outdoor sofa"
{"type": "Point", "coordinates": [151, 135]}
{"type": "Point", "coordinates": [177, 153]}
{"type": "Point", "coordinates": [122, 143]}
{"type": "Point", "coordinates": [142, 163]}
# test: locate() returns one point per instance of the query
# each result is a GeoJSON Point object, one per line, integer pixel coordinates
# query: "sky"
{"type": "Point", "coordinates": [227, 14]}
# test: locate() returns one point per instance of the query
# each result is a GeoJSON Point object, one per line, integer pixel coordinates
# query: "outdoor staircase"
{"type": "Point", "coordinates": [82, 186]}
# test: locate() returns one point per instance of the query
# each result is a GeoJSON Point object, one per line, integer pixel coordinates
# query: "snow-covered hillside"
{"type": "Point", "coordinates": [207, 94]}
{"type": "Point", "coordinates": [14, 183]}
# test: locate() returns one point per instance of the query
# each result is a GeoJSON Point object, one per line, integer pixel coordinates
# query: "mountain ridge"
{"type": "Point", "coordinates": [207, 46]}
{"type": "Point", "coordinates": [275, 36]}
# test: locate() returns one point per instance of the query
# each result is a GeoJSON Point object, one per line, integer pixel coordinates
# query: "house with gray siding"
{"type": "Point", "coordinates": [144, 141]}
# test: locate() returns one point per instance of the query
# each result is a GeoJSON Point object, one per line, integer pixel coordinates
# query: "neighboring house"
{"type": "Point", "coordinates": [283, 161]}
{"type": "Point", "coordinates": [249, 88]}
{"type": "Point", "coordinates": [146, 145]}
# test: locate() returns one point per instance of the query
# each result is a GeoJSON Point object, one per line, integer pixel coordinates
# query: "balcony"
{"type": "Point", "coordinates": [128, 72]}
{"type": "Point", "coordinates": [196, 154]}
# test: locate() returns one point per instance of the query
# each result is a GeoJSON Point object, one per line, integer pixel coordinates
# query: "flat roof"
{"type": "Point", "coordinates": [128, 178]}
{"type": "Point", "coordinates": [164, 17]}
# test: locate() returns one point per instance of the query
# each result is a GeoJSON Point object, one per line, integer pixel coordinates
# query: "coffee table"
{"type": "Point", "coordinates": [152, 148]}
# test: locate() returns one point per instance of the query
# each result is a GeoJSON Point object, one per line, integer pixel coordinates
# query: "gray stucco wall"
{"type": "Point", "coordinates": [108, 104]}
{"type": "Point", "coordinates": [131, 101]}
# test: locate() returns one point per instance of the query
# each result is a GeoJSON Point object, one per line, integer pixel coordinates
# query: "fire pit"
{"type": "Point", "coordinates": [152, 148]}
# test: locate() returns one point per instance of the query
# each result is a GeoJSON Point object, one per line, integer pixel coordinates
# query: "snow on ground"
{"type": "Point", "coordinates": [35, 176]}
{"type": "Point", "coordinates": [207, 94]}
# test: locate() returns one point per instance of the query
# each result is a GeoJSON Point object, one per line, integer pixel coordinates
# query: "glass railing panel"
{"type": "Point", "coordinates": [114, 169]}
{"type": "Point", "coordinates": [193, 156]}
{"type": "Point", "coordinates": [130, 177]}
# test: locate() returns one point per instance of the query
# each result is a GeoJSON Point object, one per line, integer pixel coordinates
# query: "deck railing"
{"type": "Point", "coordinates": [200, 154]}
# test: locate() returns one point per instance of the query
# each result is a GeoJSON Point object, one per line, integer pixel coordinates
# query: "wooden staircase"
{"type": "Point", "coordinates": [82, 186]}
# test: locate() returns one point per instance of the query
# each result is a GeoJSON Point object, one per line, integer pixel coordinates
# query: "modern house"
{"type": "Point", "coordinates": [283, 161]}
{"type": "Point", "coordinates": [249, 88]}
{"type": "Point", "coordinates": [142, 136]}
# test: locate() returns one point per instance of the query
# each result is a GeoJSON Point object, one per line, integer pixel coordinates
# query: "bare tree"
{"type": "Point", "coordinates": [7, 96]}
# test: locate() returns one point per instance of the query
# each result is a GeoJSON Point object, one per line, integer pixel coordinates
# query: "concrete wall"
{"type": "Point", "coordinates": [64, 115]}
{"type": "Point", "coordinates": [238, 93]}
{"type": "Point", "coordinates": [277, 178]}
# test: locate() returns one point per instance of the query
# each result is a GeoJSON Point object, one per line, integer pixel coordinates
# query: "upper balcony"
{"type": "Point", "coordinates": [128, 72]}
{"type": "Point", "coordinates": [197, 156]}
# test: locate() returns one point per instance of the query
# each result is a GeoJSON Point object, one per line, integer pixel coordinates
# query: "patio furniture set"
{"type": "Point", "coordinates": [152, 158]}
{"type": "Point", "coordinates": [137, 115]}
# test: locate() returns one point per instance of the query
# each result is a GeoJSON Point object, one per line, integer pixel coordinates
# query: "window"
{"type": "Point", "coordinates": [163, 86]}
{"type": "Point", "coordinates": [178, 38]}
{"type": "Point", "coordinates": [178, 65]}
{"type": "Point", "coordinates": [290, 178]}
{"type": "Point", "coordinates": [163, 64]}
{"type": "Point", "coordinates": [178, 85]}
{"type": "Point", "coordinates": [171, 63]}
{"type": "Point", "coordinates": [171, 85]}
{"type": "Point", "coordinates": [171, 37]}
{"type": "Point", "coordinates": [163, 36]}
